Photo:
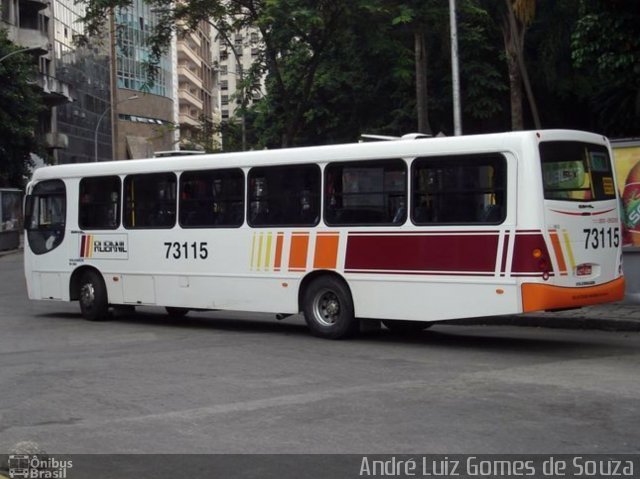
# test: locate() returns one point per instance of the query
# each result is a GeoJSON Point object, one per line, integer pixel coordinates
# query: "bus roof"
{"type": "Point", "coordinates": [317, 154]}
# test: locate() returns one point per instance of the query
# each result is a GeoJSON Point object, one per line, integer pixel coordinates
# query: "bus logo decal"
{"type": "Point", "coordinates": [104, 246]}
{"type": "Point", "coordinates": [85, 246]}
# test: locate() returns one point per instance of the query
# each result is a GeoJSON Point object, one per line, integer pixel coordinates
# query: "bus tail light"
{"type": "Point", "coordinates": [531, 255]}
{"type": "Point", "coordinates": [542, 262]}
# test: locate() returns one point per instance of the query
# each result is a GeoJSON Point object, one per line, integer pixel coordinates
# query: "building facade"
{"type": "Point", "coordinates": [234, 57]}
{"type": "Point", "coordinates": [197, 89]}
{"type": "Point", "coordinates": [144, 109]}
{"type": "Point", "coordinates": [84, 124]}
{"type": "Point", "coordinates": [30, 24]}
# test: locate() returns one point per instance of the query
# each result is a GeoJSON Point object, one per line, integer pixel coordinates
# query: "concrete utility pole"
{"type": "Point", "coordinates": [455, 74]}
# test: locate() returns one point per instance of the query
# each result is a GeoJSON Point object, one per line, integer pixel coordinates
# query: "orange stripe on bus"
{"type": "Point", "coordinates": [88, 246]}
{"type": "Point", "coordinates": [540, 297]}
{"type": "Point", "coordinates": [298, 253]}
{"type": "Point", "coordinates": [558, 250]}
{"type": "Point", "coordinates": [326, 255]}
{"type": "Point", "coordinates": [278, 259]}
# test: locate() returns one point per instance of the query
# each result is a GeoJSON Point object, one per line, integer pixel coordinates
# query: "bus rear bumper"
{"type": "Point", "coordinates": [539, 297]}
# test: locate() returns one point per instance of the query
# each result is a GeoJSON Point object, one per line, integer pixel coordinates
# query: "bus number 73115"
{"type": "Point", "coordinates": [601, 237]}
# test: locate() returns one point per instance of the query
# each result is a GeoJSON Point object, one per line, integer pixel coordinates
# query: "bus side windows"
{"type": "Point", "coordinates": [150, 201]}
{"type": "Point", "coordinates": [465, 189]}
{"type": "Point", "coordinates": [366, 193]}
{"type": "Point", "coordinates": [212, 198]}
{"type": "Point", "coordinates": [284, 196]}
{"type": "Point", "coordinates": [99, 206]}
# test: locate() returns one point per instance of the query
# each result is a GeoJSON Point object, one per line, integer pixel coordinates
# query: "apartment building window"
{"type": "Point", "coordinates": [224, 85]}
{"type": "Point", "coordinates": [224, 99]}
{"type": "Point", "coordinates": [224, 69]}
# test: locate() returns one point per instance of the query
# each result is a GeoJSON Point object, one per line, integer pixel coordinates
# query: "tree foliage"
{"type": "Point", "coordinates": [20, 104]}
{"type": "Point", "coordinates": [335, 69]}
{"type": "Point", "coordinates": [606, 47]}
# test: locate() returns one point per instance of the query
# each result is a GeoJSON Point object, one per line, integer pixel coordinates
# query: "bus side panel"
{"type": "Point", "coordinates": [256, 294]}
{"type": "Point", "coordinates": [386, 298]}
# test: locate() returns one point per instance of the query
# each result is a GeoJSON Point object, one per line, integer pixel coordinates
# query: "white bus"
{"type": "Point", "coordinates": [409, 232]}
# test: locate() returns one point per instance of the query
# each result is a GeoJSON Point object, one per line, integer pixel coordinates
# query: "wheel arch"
{"type": "Point", "coordinates": [309, 278]}
{"type": "Point", "coordinates": [74, 281]}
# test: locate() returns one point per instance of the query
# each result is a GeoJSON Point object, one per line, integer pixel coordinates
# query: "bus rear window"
{"type": "Point", "coordinates": [576, 171]}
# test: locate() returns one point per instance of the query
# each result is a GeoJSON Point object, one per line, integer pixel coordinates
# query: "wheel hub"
{"type": "Point", "coordinates": [327, 308]}
{"type": "Point", "coordinates": [332, 308]}
{"type": "Point", "coordinates": [87, 294]}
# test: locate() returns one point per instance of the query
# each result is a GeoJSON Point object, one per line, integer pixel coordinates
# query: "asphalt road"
{"type": "Point", "coordinates": [240, 383]}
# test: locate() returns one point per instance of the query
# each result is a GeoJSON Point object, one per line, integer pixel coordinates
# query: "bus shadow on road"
{"type": "Point", "coordinates": [503, 338]}
{"type": "Point", "coordinates": [476, 336]}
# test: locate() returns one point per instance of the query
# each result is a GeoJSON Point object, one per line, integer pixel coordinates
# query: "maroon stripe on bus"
{"type": "Point", "coordinates": [455, 253]}
{"type": "Point", "coordinates": [505, 250]}
{"type": "Point", "coordinates": [82, 246]}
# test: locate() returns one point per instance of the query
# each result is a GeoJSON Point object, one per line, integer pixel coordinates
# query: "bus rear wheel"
{"type": "Point", "coordinates": [93, 297]}
{"type": "Point", "coordinates": [399, 326]}
{"type": "Point", "coordinates": [328, 308]}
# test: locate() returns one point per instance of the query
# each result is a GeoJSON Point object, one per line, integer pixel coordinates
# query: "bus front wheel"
{"type": "Point", "coordinates": [328, 308]}
{"type": "Point", "coordinates": [93, 297]}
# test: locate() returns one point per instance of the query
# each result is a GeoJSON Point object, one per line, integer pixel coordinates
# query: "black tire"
{"type": "Point", "coordinates": [176, 313]}
{"type": "Point", "coordinates": [328, 308]}
{"type": "Point", "coordinates": [93, 297]}
{"type": "Point", "coordinates": [398, 326]}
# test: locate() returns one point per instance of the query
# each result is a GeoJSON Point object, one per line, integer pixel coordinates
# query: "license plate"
{"type": "Point", "coordinates": [583, 270]}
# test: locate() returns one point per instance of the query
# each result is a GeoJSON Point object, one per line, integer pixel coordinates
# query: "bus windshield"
{"type": "Point", "coordinates": [576, 171]}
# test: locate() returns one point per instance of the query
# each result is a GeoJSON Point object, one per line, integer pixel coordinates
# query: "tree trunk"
{"type": "Point", "coordinates": [526, 82]}
{"type": "Point", "coordinates": [515, 87]}
{"type": "Point", "coordinates": [421, 82]}
{"type": "Point", "coordinates": [513, 32]}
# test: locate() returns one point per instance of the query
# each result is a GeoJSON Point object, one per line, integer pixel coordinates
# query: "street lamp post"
{"type": "Point", "coordinates": [95, 135]}
{"type": "Point", "coordinates": [22, 50]}
{"type": "Point", "coordinates": [455, 71]}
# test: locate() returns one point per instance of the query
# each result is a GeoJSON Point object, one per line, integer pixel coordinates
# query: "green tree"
{"type": "Point", "coordinates": [292, 30]}
{"type": "Point", "coordinates": [482, 81]}
{"type": "Point", "coordinates": [20, 104]}
{"type": "Point", "coordinates": [606, 48]}
{"type": "Point", "coordinates": [515, 18]}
